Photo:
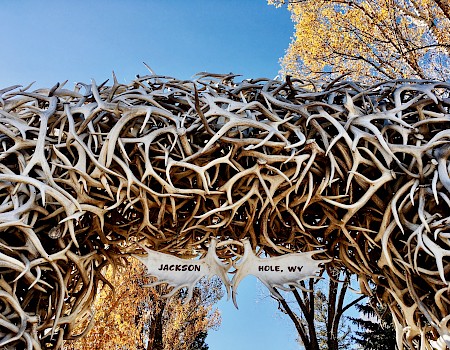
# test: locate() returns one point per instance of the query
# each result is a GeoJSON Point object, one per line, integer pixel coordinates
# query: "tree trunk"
{"type": "Point", "coordinates": [155, 334]}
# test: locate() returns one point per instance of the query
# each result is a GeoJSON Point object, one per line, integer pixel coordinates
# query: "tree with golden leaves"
{"type": "Point", "coordinates": [369, 39]}
{"type": "Point", "coordinates": [130, 316]}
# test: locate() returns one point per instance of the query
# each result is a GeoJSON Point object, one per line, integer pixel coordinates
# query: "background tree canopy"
{"type": "Point", "coordinates": [369, 39]}
{"type": "Point", "coordinates": [129, 316]}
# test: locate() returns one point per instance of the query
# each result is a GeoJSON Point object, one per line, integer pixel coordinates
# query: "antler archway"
{"type": "Point", "coordinates": [85, 174]}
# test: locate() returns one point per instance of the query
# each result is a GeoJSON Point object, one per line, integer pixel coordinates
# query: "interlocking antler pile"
{"type": "Point", "coordinates": [362, 172]}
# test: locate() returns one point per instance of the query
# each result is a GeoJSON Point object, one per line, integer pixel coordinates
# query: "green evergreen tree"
{"type": "Point", "coordinates": [377, 331]}
{"type": "Point", "coordinates": [200, 342]}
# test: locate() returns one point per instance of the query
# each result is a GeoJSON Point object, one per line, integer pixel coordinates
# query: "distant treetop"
{"type": "Point", "coordinates": [368, 39]}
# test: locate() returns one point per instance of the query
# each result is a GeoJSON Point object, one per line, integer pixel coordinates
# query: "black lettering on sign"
{"type": "Point", "coordinates": [295, 268]}
{"type": "Point", "coordinates": [269, 268]}
{"type": "Point", "coordinates": [167, 267]}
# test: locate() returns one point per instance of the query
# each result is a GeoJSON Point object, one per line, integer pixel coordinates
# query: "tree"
{"type": "Point", "coordinates": [200, 342]}
{"type": "Point", "coordinates": [183, 323]}
{"type": "Point", "coordinates": [129, 316]}
{"type": "Point", "coordinates": [377, 330]}
{"type": "Point", "coordinates": [369, 39]}
{"type": "Point", "coordinates": [319, 318]}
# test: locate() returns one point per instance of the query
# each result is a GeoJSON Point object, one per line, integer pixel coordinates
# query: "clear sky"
{"type": "Point", "coordinates": [50, 41]}
{"type": "Point", "coordinates": [53, 41]}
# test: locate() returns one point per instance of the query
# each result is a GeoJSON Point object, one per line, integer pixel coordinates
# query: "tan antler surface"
{"type": "Point", "coordinates": [359, 172]}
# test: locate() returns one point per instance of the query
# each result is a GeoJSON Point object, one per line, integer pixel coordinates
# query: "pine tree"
{"type": "Point", "coordinates": [377, 331]}
{"type": "Point", "coordinates": [200, 342]}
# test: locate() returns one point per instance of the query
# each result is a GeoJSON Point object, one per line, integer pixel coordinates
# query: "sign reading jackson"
{"type": "Point", "coordinates": [179, 267]}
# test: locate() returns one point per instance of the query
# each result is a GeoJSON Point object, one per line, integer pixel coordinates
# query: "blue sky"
{"type": "Point", "coordinates": [53, 41]}
{"type": "Point", "coordinates": [50, 41]}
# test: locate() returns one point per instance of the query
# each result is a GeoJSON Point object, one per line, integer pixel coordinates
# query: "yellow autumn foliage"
{"type": "Point", "coordinates": [368, 39]}
{"type": "Point", "coordinates": [126, 315]}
